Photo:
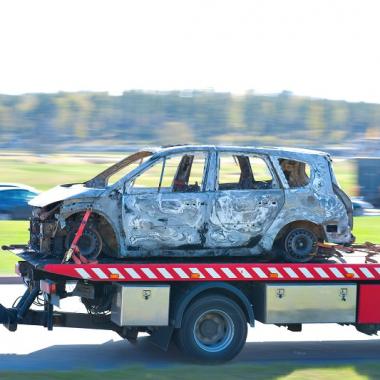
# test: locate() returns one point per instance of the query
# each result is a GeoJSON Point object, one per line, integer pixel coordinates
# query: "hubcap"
{"type": "Point", "coordinates": [213, 330]}
{"type": "Point", "coordinates": [300, 244]}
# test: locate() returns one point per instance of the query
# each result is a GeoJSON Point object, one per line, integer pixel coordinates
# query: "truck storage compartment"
{"type": "Point", "coordinates": [141, 305]}
{"type": "Point", "coordinates": [305, 303]}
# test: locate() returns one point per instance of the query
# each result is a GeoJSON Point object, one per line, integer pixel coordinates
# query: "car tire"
{"type": "Point", "coordinates": [213, 329]}
{"type": "Point", "coordinates": [90, 244]}
{"type": "Point", "coordinates": [300, 245]}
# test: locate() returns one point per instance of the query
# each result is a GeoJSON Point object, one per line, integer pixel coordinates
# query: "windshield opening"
{"type": "Point", "coordinates": [125, 170]}
{"type": "Point", "coordinates": [119, 170]}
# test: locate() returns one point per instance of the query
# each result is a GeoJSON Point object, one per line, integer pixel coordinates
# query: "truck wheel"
{"type": "Point", "coordinates": [300, 245]}
{"type": "Point", "coordinates": [214, 329]}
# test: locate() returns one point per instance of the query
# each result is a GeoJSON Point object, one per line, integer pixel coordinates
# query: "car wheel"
{"type": "Point", "coordinates": [90, 244]}
{"type": "Point", "coordinates": [300, 245]}
{"type": "Point", "coordinates": [214, 329]}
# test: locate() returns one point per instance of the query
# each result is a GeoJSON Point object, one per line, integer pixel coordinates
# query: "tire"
{"type": "Point", "coordinates": [214, 329]}
{"type": "Point", "coordinates": [300, 245]}
{"type": "Point", "coordinates": [90, 244]}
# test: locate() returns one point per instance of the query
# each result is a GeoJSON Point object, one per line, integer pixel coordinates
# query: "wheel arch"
{"type": "Point", "coordinates": [107, 231]}
{"type": "Point", "coordinates": [192, 293]}
{"type": "Point", "coordinates": [306, 224]}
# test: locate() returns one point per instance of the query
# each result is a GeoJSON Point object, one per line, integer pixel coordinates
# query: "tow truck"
{"type": "Point", "coordinates": [204, 305]}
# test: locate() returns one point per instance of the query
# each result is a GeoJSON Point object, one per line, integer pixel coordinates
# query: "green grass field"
{"type": "Point", "coordinates": [44, 176]}
{"type": "Point", "coordinates": [272, 371]}
{"type": "Point", "coordinates": [11, 232]}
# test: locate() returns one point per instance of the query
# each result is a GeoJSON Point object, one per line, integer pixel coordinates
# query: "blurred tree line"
{"type": "Point", "coordinates": [51, 122]}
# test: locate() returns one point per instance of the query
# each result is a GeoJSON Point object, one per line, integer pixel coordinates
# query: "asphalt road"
{"type": "Point", "coordinates": [35, 348]}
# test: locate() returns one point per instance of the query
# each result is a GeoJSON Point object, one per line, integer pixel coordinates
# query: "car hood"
{"type": "Point", "coordinates": [63, 192]}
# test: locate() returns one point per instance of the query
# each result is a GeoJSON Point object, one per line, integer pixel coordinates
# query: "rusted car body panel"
{"type": "Point", "coordinates": [207, 220]}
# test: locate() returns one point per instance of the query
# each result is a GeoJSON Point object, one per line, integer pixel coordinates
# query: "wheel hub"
{"type": "Point", "coordinates": [300, 245]}
{"type": "Point", "coordinates": [208, 328]}
{"type": "Point", "coordinates": [213, 330]}
{"type": "Point", "coordinates": [89, 244]}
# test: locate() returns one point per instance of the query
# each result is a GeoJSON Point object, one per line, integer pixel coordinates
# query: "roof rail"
{"type": "Point", "coordinates": [172, 145]}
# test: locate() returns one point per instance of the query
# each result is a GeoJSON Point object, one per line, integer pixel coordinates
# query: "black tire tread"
{"type": "Point", "coordinates": [188, 346]}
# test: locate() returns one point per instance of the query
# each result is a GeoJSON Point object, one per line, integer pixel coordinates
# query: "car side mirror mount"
{"type": "Point", "coordinates": [128, 187]}
{"type": "Point", "coordinates": [115, 193]}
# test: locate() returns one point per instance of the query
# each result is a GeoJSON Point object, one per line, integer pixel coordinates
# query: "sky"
{"type": "Point", "coordinates": [326, 49]}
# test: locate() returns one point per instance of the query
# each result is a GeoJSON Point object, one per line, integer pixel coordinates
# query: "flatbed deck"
{"type": "Point", "coordinates": [348, 266]}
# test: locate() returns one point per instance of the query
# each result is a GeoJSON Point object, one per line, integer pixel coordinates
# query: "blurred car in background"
{"type": "Point", "coordinates": [368, 171]}
{"type": "Point", "coordinates": [363, 208]}
{"type": "Point", "coordinates": [19, 186]}
{"type": "Point", "coordinates": [14, 200]}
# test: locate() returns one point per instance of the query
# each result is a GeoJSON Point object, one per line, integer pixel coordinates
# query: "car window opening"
{"type": "Point", "coordinates": [241, 172]}
{"type": "Point", "coordinates": [175, 174]}
{"type": "Point", "coordinates": [119, 170]}
{"type": "Point", "coordinates": [297, 173]}
{"type": "Point", "coordinates": [186, 179]}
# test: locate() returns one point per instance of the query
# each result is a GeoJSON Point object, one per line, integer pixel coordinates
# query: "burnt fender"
{"type": "Point", "coordinates": [184, 296]}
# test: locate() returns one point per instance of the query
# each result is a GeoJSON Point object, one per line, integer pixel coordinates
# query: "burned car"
{"type": "Point", "coordinates": [190, 200]}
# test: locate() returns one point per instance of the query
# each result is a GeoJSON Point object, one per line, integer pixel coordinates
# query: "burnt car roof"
{"type": "Point", "coordinates": [157, 152]}
{"type": "Point", "coordinates": [263, 150]}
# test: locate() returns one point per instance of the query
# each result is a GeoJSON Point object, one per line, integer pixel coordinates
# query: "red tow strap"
{"type": "Point", "coordinates": [74, 252]}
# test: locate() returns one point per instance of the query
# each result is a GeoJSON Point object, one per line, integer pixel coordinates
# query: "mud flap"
{"type": "Point", "coordinates": [162, 337]}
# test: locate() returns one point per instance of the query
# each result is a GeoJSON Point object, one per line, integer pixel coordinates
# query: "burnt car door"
{"type": "Point", "coordinates": [246, 200]}
{"type": "Point", "coordinates": [165, 205]}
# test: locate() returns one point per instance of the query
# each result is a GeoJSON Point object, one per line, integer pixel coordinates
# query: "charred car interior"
{"type": "Point", "coordinates": [194, 200]}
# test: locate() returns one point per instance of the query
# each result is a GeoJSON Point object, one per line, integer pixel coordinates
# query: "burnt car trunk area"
{"type": "Point", "coordinates": [347, 203]}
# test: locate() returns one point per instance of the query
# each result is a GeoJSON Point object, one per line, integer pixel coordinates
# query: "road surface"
{"type": "Point", "coordinates": [35, 348]}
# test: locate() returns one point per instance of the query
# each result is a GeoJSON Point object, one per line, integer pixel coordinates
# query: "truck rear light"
{"type": "Point", "coordinates": [48, 286]}
{"type": "Point", "coordinates": [114, 276]}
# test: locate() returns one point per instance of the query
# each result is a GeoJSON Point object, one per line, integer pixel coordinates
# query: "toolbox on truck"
{"type": "Point", "coordinates": [306, 303]}
{"type": "Point", "coordinates": [141, 305]}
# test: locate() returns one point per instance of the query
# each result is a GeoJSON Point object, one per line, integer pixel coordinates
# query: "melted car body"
{"type": "Point", "coordinates": [195, 200]}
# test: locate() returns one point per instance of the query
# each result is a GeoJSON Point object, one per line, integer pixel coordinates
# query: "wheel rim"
{"type": "Point", "coordinates": [89, 244]}
{"type": "Point", "coordinates": [300, 244]}
{"type": "Point", "coordinates": [213, 330]}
